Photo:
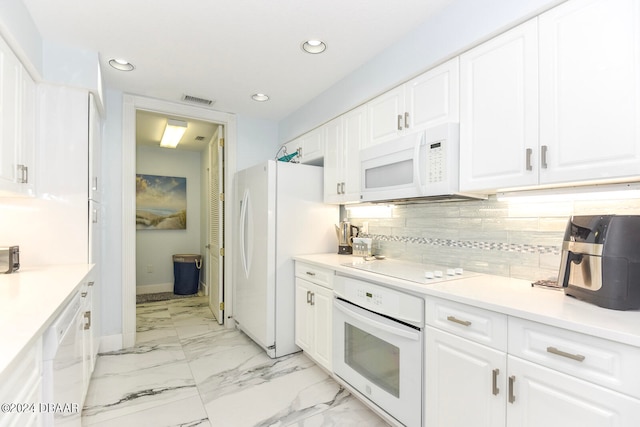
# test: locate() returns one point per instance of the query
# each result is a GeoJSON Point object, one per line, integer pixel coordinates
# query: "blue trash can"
{"type": "Point", "coordinates": [186, 273]}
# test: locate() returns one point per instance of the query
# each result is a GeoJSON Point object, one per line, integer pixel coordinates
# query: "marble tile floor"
{"type": "Point", "coordinates": [186, 370]}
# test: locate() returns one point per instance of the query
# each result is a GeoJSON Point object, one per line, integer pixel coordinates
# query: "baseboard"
{"type": "Point", "coordinates": [154, 288]}
{"type": "Point", "coordinates": [110, 343]}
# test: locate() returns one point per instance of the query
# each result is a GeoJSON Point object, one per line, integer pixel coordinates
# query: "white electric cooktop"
{"type": "Point", "coordinates": [411, 271]}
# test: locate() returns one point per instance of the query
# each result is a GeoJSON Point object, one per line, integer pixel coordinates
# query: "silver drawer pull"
{"type": "Point", "coordinates": [577, 357]}
{"type": "Point", "coordinates": [458, 321]}
{"type": "Point", "coordinates": [494, 387]}
{"type": "Point", "coordinates": [311, 273]}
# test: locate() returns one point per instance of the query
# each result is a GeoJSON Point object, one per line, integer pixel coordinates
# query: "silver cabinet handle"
{"type": "Point", "coordinates": [458, 321]}
{"type": "Point", "coordinates": [95, 183]}
{"type": "Point", "coordinates": [83, 294]}
{"type": "Point", "coordinates": [91, 283]}
{"type": "Point", "coordinates": [313, 298]}
{"type": "Point", "coordinates": [87, 317]}
{"type": "Point", "coordinates": [406, 120]}
{"type": "Point", "coordinates": [494, 383]}
{"type": "Point", "coordinates": [308, 297]}
{"type": "Point", "coordinates": [512, 396]}
{"type": "Point", "coordinates": [555, 351]}
{"type": "Point", "coordinates": [337, 188]}
{"type": "Point", "coordinates": [528, 159]}
{"type": "Point", "coordinates": [95, 216]}
{"type": "Point", "coordinates": [543, 156]}
{"type": "Point", "coordinates": [311, 273]}
{"type": "Point", "coordinates": [342, 188]}
{"type": "Point", "coordinates": [399, 121]}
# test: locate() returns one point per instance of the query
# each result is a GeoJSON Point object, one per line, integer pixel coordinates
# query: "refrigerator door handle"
{"type": "Point", "coordinates": [245, 233]}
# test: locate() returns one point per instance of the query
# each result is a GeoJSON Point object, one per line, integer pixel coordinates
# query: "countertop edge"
{"type": "Point", "coordinates": [32, 298]}
{"type": "Point", "coordinates": [513, 297]}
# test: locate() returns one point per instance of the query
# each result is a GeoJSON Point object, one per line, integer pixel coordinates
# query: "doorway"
{"type": "Point", "coordinates": [132, 104]}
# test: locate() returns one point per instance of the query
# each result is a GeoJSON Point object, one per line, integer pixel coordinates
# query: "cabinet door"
{"type": "Point", "coordinates": [544, 397]}
{"type": "Point", "coordinates": [385, 115]}
{"type": "Point", "coordinates": [28, 132]}
{"type": "Point", "coordinates": [322, 303]}
{"type": "Point", "coordinates": [354, 126]}
{"type": "Point", "coordinates": [304, 315]}
{"type": "Point", "coordinates": [95, 157]}
{"type": "Point", "coordinates": [465, 382]}
{"type": "Point", "coordinates": [333, 162]}
{"type": "Point", "coordinates": [590, 90]}
{"type": "Point", "coordinates": [10, 108]}
{"type": "Point", "coordinates": [499, 111]}
{"type": "Point", "coordinates": [312, 144]}
{"type": "Point", "coordinates": [432, 98]}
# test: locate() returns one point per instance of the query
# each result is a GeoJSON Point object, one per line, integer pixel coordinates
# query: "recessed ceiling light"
{"type": "Point", "coordinates": [121, 64]}
{"type": "Point", "coordinates": [260, 97]}
{"type": "Point", "coordinates": [314, 46]}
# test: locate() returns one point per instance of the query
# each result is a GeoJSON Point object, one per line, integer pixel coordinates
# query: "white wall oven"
{"type": "Point", "coordinates": [378, 336]}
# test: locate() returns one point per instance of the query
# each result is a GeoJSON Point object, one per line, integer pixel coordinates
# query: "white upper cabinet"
{"type": "Point", "coordinates": [345, 136]}
{"type": "Point", "coordinates": [499, 111]}
{"type": "Point", "coordinates": [555, 100]}
{"type": "Point", "coordinates": [310, 147]}
{"type": "Point", "coordinates": [427, 100]}
{"type": "Point", "coordinates": [95, 157]}
{"type": "Point", "coordinates": [590, 90]}
{"type": "Point", "coordinates": [17, 125]}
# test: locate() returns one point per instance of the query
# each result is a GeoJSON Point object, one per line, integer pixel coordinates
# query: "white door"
{"type": "Point", "coordinates": [354, 126]}
{"type": "Point", "coordinates": [499, 111]}
{"type": "Point", "coordinates": [465, 382]}
{"type": "Point", "coordinates": [216, 225]}
{"type": "Point", "coordinates": [590, 90]}
{"type": "Point", "coordinates": [333, 162]}
{"type": "Point", "coordinates": [544, 397]}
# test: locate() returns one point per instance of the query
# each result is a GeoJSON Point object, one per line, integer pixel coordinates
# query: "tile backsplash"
{"type": "Point", "coordinates": [514, 238]}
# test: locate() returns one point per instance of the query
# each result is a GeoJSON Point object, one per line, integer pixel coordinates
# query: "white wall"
{"type": "Point", "coordinates": [155, 247]}
{"type": "Point", "coordinates": [456, 28]}
{"type": "Point", "coordinates": [257, 141]}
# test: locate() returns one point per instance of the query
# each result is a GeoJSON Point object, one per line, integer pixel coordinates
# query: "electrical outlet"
{"type": "Point", "coordinates": [149, 268]}
{"type": "Point", "coordinates": [362, 246]}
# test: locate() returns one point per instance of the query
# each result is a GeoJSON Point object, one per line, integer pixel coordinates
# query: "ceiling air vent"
{"type": "Point", "coordinates": [196, 100]}
{"type": "Point", "coordinates": [199, 138]}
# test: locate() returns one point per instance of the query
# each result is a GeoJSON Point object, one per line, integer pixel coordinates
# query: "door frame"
{"type": "Point", "coordinates": [218, 169]}
{"type": "Point", "coordinates": [130, 104]}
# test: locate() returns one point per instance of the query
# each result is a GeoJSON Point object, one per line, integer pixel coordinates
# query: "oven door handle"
{"type": "Point", "coordinates": [412, 335]}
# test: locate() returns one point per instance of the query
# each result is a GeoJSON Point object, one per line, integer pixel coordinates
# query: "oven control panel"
{"type": "Point", "coordinates": [380, 299]}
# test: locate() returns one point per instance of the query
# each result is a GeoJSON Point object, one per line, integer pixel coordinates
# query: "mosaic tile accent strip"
{"type": "Point", "coordinates": [467, 244]}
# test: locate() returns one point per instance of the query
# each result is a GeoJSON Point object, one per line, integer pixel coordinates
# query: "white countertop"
{"type": "Point", "coordinates": [30, 300]}
{"type": "Point", "coordinates": [514, 297]}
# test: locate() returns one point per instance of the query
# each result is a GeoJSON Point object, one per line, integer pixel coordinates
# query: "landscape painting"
{"type": "Point", "coordinates": [161, 202]}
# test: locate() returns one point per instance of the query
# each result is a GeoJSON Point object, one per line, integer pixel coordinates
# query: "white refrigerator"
{"type": "Point", "coordinates": [279, 213]}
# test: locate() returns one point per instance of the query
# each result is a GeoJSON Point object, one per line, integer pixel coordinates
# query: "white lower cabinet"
{"type": "Point", "coordinates": [546, 376]}
{"type": "Point", "coordinates": [540, 396]}
{"type": "Point", "coordinates": [21, 390]}
{"type": "Point", "coordinates": [313, 317]}
{"type": "Point", "coordinates": [465, 382]}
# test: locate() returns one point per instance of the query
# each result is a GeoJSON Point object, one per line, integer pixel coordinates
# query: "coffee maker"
{"type": "Point", "coordinates": [600, 260]}
{"type": "Point", "coordinates": [345, 233]}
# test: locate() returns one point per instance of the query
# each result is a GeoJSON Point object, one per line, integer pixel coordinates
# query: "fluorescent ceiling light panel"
{"type": "Point", "coordinates": [173, 133]}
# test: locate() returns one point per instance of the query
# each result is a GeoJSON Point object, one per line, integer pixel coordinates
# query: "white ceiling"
{"type": "Point", "coordinates": [150, 127]}
{"type": "Point", "coordinates": [226, 50]}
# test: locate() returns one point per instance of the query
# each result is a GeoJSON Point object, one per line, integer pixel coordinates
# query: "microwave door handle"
{"type": "Point", "coordinates": [417, 172]}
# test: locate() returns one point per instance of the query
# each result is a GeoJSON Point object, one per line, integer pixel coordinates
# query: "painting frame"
{"type": "Point", "coordinates": [161, 202]}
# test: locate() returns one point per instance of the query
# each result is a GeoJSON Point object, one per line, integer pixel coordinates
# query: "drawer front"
{"type": "Point", "coordinates": [607, 363]}
{"type": "Point", "coordinates": [476, 324]}
{"type": "Point", "coordinates": [318, 275]}
{"type": "Point", "coordinates": [21, 384]}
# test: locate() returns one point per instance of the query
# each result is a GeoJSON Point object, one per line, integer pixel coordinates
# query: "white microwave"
{"type": "Point", "coordinates": [420, 164]}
